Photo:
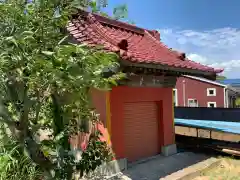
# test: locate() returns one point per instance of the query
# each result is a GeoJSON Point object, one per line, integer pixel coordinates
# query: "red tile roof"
{"type": "Point", "coordinates": [134, 44]}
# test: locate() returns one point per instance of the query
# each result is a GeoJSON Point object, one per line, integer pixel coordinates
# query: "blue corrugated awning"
{"type": "Point", "coordinates": [224, 126]}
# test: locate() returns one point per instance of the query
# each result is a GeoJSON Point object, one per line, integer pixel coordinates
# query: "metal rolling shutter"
{"type": "Point", "coordinates": [140, 130]}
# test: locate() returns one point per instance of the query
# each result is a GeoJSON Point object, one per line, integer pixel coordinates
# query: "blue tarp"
{"type": "Point", "coordinates": [224, 126]}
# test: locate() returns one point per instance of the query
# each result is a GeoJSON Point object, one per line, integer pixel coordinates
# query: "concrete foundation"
{"type": "Point", "coordinates": [106, 171]}
{"type": "Point", "coordinates": [169, 150]}
{"type": "Point", "coordinates": [113, 167]}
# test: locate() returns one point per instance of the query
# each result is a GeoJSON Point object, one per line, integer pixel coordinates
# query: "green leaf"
{"type": "Point", "coordinates": [59, 136]}
{"type": "Point", "coordinates": [48, 53]}
{"type": "Point", "coordinates": [12, 40]}
{"type": "Point", "coordinates": [62, 40]}
{"type": "Point", "coordinates": [120, 12]}
{"type": "Point", "coordinates": [27, 33]}
{"type": "Point", "coordinates": [47, 143]}
{"type": "Point", "coordinates": [94, 7]}
{"type": "Point", "coordinates": [112, 81]}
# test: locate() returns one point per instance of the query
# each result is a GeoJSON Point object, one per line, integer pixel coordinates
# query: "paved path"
{"type": "Point", "coordinates": [160, 166]}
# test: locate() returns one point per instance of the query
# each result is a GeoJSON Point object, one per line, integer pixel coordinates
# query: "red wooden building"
{"type": "Point", "coordinates": [191, 91]}
{"type": "Point", "coordinates": [138, 114]}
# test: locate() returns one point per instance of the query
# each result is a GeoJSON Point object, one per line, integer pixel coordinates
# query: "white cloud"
{"type": "Point", "coordinates": [228, 65]}
{"type": "Point", "coordinates": [218, 48]}
{"type": "Point", "coordinates": [197, 58]}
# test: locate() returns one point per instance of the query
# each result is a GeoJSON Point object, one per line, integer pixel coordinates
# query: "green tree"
{"type": "Point", "coordinates": [45, 85]}
{"type": "Point", "coordinates": [219, 77]}
{"type": "Point", "coordinates": [120, 12]}
{"type": "Point", "coordinates": [237, 103]}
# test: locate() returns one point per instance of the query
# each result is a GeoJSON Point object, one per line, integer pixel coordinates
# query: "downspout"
{"type": "Point", "coordinates": [227, 98]}
{"type": "Point", "coordinates": [184, 94]}
{"type": "Point", "coordinates": [224, 97]}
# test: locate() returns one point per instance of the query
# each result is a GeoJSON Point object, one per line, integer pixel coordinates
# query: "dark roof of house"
{"type": "Point", "coordinates": [217, 83]}
{"type": "Point", "coordinates": [133, 44]}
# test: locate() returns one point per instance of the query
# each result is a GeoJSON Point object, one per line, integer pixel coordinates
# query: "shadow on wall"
{"type": "Point", "coordinates": [81, 140]}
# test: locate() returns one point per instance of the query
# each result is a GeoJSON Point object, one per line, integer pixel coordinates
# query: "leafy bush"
{"type": "Point", "coordinates": [14, 164]}
{"type": "Point", "coordinates": [96, 153]}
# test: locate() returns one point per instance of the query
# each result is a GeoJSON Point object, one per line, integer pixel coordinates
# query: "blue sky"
{"type": "Point", "coordinates": [207, 30]}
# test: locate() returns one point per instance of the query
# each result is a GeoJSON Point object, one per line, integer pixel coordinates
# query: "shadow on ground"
{"type": "Point", "coordinates": [160, 166]}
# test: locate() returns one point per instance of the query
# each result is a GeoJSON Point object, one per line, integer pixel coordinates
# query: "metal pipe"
{"type": "Point", "coordinates": [184, 94]}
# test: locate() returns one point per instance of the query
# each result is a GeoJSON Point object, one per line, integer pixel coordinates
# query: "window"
{"type": "Point", "coordinates": [192, 103]}
{"type": "Point", "coordinates": [211, 91]}
{"type": "Point", "coordinates": [212, 104]}
{"type": "Point", "coordinates": [175, 97]}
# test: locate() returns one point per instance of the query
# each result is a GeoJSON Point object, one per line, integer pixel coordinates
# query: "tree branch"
{"type": "Point", "coordinates": [57, 114]}
{"type": "Point", "coordinates": [36, 154]}
{"type": "Point", "coordinates": [24, 123]}
{"type": "Point", "coordinates": [38, 107]}
{"type": "Point", "coordinates": [5, 115]}
{"type": "Point", "coordinates": [6, 120]}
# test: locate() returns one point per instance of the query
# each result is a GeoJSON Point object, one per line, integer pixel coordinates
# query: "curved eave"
{"type": "Point", "coordinates": [180, 70]}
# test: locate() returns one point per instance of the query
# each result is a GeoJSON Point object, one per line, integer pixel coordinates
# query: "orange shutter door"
{"type": "Point", "coordinates": [140, 130]}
